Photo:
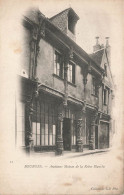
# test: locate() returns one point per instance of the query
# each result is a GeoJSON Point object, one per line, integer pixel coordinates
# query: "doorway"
{"type": "Point", "coordinates": [96, 137]}
{"type": "Point", "coordinates": [67, 134]}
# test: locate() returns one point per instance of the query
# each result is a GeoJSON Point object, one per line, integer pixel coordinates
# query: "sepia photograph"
{"type": "Point", "coordinates": [62, 94]}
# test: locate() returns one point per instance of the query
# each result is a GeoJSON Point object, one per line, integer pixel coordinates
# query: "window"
{"type": "Point", "coordinates": [71, 23]}
{"type": "Point", "coordinates": [58, 65]}
{"type": "Point", "coordinates": [105, 67]}
{"type": "Point", "coordinates": [105, 96]}
{"type": "Point", "coordinates": [71, 73]}
{"type": "Point", "coordinates": [94, 87]}
{"type": "Point", "coordinates": [44, 122]}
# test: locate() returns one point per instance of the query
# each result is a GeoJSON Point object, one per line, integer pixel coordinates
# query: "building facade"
{"type": "Point", "coordinates": [65, 94]}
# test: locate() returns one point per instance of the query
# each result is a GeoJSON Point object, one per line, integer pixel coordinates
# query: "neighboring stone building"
{"type": "Point", "coordinates": [65, 95]}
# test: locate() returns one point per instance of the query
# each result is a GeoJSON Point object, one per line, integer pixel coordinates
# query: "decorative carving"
{"type": "Point", "coordinates": [92, 133]}
{"type": "Point", "coordinates": [85, 81]}
{"type": "Point", "coordinates": [59, 143]}
{"type": "Point", "coordinates": [36, 93]}
{"type": "Point", "coordinates": [71, 53]}
{"type": "Point", "coordinates": [60, 117]}
{"type": "Point", "coordinates": [42, 29]}
{"type": "Point", "coordinates": [66, 70]}
{"type": "Point", "coordinates": [89, 67]}
{"type": "Point", "coordinates": [79, 123]}
{"type": "Point", "coordinates": [34, 33]}
{"type": "Point", "coordinates": [37, 32]}
{"type": "Point", "coordinates": [29, 112]}
{"type": "Point", "coordinates": [28, 115]}
{"type": "Point", "coordinates": [66, 80]}
{"type": "Point", "coordinates": [94, 117]}
{"type": "Point", "coordinates": [84, 107]}
{"type": "Point", "coordinates": [65, 101]}
{"type": "Point", "coordinates": [79, 136]}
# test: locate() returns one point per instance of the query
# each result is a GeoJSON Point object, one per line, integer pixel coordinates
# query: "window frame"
{"type": "Point", "coordinates": [105, 68]}
{"type": "Point", "coordinates": [47, 124]}
{"type": "Point", "coordinates": [94, 87]}
{"type": "Point", "coordinates": [105, 96]}
{"type": "Point", "coordinates": [61, 64]}
{"type": "Point", "coordinates": [73, 78]}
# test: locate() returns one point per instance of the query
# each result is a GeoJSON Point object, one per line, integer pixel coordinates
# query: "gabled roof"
{"type": "Point", "coordinates": [67, 41]}
{"type": "Point", "coordinates": [97, 56]}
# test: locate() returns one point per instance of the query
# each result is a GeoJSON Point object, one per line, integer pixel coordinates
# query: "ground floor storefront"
{"type": "Point", "coordinates": [49, 125]}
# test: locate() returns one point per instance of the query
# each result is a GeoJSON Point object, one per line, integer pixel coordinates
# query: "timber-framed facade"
{"type": "Point", "coordinates": [65, 94]}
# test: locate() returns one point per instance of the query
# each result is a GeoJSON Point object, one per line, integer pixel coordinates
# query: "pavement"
{"type": "Point", "coordinates": [73, 154]}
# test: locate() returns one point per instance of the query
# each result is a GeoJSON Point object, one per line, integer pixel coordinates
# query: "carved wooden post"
{"type": "Point", "coordinates": [65, 83]}
{"type": "Point", "coordinates": [92, 132]}
{"type": "Point", "coordinates": [79, 136]}
{"type": "Point", "coordinates": [68, 56]}
{"type": "Point", "coordinates": [37, 32]}
{"type": "Point", "coordinates": [32, 52]}
{"type": "Point", "coordinates": [28, 114]}
{"type": "Point", "coordinates": [84, 121]}
{"type": "Point", "coordinates": [59, 144]}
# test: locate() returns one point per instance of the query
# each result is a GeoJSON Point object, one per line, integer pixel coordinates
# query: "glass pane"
{"type": "Point", "coordinates": [54, 140]}
{"type": "Point", "coordinates": [46, 140]}
{"type": "Point", "coordinates": [74, 140]}
{"type": "Point", "coordinates": [42, 140]}
{"type": "Point", "coordinates": [54, 130]}
{"type": "Point", "coordinates": [50, 128]}
{"type": "Point", "coordinates": [46, 128]}
{"type": "Point", "coordinates": [38, 128]}
{"type": "Point", "coordinates": [50, 139]}
{"type": "Point", "coordinates": [38, 140]}
{"type": "Point", "coordinates": [34, 127]}
{"type": "Point", "coordinates": [42, 129]}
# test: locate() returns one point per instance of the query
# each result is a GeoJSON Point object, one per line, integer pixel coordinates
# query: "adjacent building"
{"type": "Point", "coordinates": [65, 94]}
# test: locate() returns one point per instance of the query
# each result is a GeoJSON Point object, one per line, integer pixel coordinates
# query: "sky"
{"type": "Point", "coordinates": [95, 20]}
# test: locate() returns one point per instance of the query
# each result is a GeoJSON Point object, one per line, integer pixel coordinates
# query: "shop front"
{"type": "Point", "coordinates": [51, 120]}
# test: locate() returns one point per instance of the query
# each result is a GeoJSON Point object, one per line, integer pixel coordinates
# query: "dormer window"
{"type": "Point", "coordinates": [71, 23]}
{"type": "Point", "coordinates": [66, 22]}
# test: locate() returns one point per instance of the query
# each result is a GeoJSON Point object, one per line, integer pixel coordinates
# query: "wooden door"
{"type": "Point", "coordinates": [67, 134]}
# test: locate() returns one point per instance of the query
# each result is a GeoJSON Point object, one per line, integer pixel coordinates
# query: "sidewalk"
{"type": "Point", "coordinates": [74, 154]}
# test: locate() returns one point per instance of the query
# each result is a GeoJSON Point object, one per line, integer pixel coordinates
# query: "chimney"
{"type": "Point", "coordinates": [107, 42]}
{"type": "Point", "coordinates": [97, 46]}
{"type": "Point", "coordinates": [108, 48]}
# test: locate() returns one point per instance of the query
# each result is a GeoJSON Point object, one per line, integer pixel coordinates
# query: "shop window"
{"type": "Point", "coordinates": [44, 124]}
{"type": "Point", "coordinates": [58, 65]}
{"type": "Point", "coordinates": [71, 72]}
